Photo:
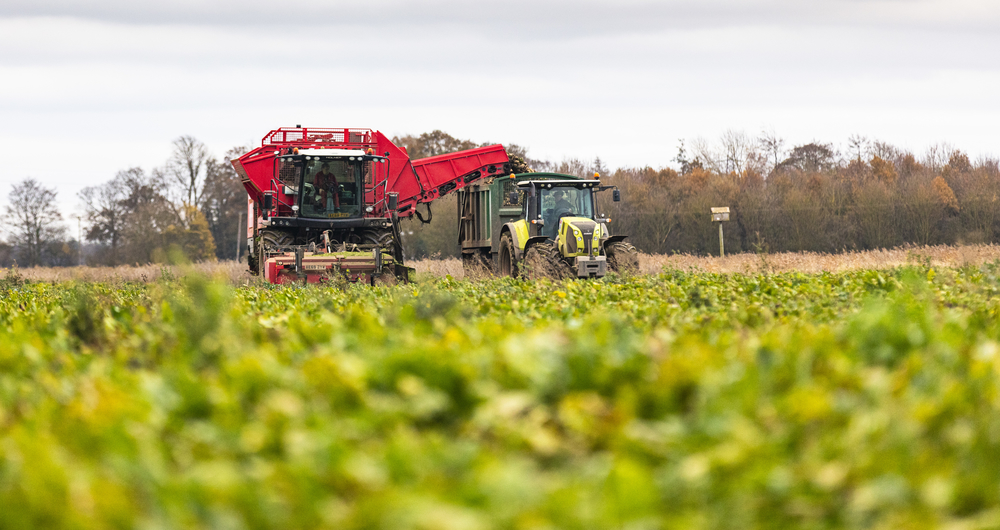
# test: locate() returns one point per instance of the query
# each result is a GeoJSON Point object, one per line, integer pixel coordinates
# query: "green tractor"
{"type": "Point", "coordinates": [540, 225]}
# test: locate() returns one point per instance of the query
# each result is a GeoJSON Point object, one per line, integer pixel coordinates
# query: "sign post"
{"type": "Point", "coordinates": [720, 215]}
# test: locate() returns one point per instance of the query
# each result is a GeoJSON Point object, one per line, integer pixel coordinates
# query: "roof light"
{"type": "Point", "coordinates": [597, 175]}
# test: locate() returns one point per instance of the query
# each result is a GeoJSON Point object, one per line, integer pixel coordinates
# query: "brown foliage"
{"type": "Point", "coordinates": [945, 195]}
{"type": "Point", "coordinates": [883, 171]}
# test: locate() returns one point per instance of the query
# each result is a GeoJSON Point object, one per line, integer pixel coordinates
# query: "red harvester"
{"type": "Point", "coordinates": [326, 202]}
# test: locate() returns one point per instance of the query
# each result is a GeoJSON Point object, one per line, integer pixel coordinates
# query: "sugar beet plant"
{"type": "Point", "coordinates": [682, 400]}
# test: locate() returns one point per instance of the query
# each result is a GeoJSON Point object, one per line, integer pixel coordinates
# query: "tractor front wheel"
{"type": "Point", "coordinates": [507, 259]}
{"type": "Point", "coordinates": [542, 260]}
{"type": "Point", "coordinates": [623, 258]}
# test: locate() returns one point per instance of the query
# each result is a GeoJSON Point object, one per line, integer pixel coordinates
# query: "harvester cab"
{"type": "Point", "coordinates": [548, 225]}
{"type": "Point", "coordinates": [329, 183]}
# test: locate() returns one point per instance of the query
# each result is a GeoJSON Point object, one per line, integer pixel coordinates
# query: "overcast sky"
{"type": "Point", "coordinates": [87, 90]}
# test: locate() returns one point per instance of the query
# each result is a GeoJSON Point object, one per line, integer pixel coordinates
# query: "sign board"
{"type": "Point", "coordinates": [720, 214]}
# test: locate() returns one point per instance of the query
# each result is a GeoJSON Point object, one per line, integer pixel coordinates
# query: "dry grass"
{"type": "Point", "coordinates": [939, 256]}
{"type": "Point", "coordinates": [236, 273]}
{"type": "Point", "coordinates": [943, 255]}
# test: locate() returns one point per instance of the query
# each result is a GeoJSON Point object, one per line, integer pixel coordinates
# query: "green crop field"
{"type": "Point", "coordinates": [864, 399]}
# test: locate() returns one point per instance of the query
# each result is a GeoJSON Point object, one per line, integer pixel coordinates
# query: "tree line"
{"type": "Point", "coordinates": [808, 197]}
{"type": "Point", "coordinates": [189, 208]}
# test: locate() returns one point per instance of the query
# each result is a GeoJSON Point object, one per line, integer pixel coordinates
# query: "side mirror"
{"type": "Point", "coordinates": [393, 201]}
{"type": "Point", "coordinates": [616, 195]}
{"type": "Point", "coordinates": [512, 197]}
{"type": "Point", "coordinates": [268, 201]}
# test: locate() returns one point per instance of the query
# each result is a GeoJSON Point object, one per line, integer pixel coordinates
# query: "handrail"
{"type": "Point", "coordinates": [318, 136]}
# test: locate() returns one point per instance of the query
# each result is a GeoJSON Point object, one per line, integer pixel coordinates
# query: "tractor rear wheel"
{"type": "Point", "coordinates": [623, 258]}
{"type": "Point", "coordinates": [542, 260]}
{"type": "Point", "coordinates": [507, 259]}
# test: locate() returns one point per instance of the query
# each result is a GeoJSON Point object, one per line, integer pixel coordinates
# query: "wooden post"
{"type": "Point", "coordinates": [239, 233]}
{"type": "Point", "coordinates": [720, 215]}
{"type": "Point", "coordinates": [722, 245]}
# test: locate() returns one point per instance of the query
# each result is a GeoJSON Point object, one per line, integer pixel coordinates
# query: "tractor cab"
{"type": "Point", "coordinates": [549, 202]}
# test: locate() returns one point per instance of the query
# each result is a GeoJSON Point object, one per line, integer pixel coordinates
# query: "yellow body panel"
{"type": "Point", "coordinates": [521, 231]}
{"type": "Point", "coordinates": [566, 229]}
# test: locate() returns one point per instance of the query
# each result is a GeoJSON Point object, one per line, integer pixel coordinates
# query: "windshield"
{"type": "Point", "coordinates": [564, 202]}
{"type": "Point", "coordinates": [331, 187]}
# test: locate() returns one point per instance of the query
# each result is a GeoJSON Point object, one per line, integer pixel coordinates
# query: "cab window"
{"type": "Point", "coordinates": [331, 188]}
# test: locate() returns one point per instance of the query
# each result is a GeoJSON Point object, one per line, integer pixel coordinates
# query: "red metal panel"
{"type": "Point", "coordinates": [443, 174]}
{"type": "Point", "coordinates": [438, 170]}
{"type": "Point", "coordinates": [421, 181]}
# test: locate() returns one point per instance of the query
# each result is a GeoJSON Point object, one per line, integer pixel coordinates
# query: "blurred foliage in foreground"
{"type": "Point", "coordinates": [684, 400]}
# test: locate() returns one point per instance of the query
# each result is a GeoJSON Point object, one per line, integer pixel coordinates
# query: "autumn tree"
{"type": "Point", "coordinates": [224, 203]}
{"type": "Point", "coordinates": [810, 158]}
{"type": "Point", "coordinates": [190, 235]}
{"type": "Point", "coordinates": [147, 214]}
{"type": "Point", "coordinates": [434, 143]}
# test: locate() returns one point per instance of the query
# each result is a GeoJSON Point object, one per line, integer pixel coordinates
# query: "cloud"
{"type": "Point", "coordinates": [621, 80]}
{"type": "Point", "coordinates": [536, 20]}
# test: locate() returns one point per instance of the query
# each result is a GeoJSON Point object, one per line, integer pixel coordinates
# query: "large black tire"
{"type": "Point", "coordinates": [271, 240]}
{"type": "Point", "coordinates": [542, 260]}
{"type": "Point", "coordinates": [268, 242]}
{"type": "Point", "coordinates": [476, 265]}
{"type": "Point", "coordinates": [507, 258]}
{"type": "Point", "coordinates": [623, 258]}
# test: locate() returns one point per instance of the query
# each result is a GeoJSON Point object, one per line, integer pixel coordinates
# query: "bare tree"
{"type": "Point", "coordinates": [737, 148]}
{"type": "Point", "coordinates": [187, 167]}
{"type": "Point", "coordinates": [704, 153]}
{"type": "Point", "coordinates": [883, 150]}
{"type": "Point", "coordinates": [937, 156]}
{"type": "Point", "coordinates": [105, 211]}
{"type": "Point", "coordinates": [858, 146]}
{"type": "Point", "coordinates": [773, 146]}
{"type": "Point", "coordinates": [34, 220]}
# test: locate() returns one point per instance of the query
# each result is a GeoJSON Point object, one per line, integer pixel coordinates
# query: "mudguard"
{"type": "Point", "coordinates": [529, 242]}
{"type": "Point", "coordinates": [612, 239]}
{"type": "Point", "coordinates": [519, 233]}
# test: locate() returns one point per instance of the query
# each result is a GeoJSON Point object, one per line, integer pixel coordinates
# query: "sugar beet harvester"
{"type": "Point", "coordinates": [327, 202]}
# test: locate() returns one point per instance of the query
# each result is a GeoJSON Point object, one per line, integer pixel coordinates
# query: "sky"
{"type": "Point", "coordinates": [89, 89]}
